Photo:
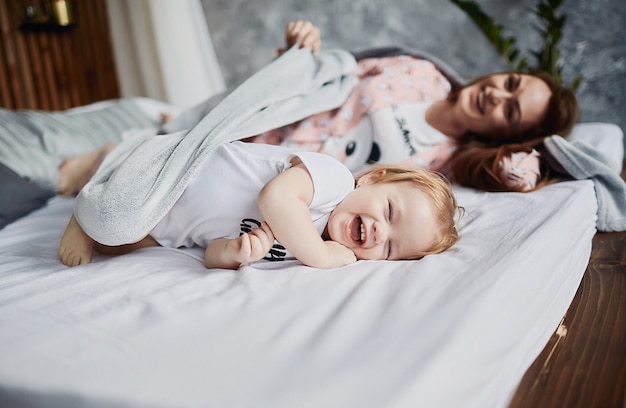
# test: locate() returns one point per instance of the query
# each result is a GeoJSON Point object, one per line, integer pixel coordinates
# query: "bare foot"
{"type": "Point", "coordinates": [76, 246]}
{"type": "Point", "coordinates": [75, 172]}
{"type": "Point", "coordinates": [165, 117]}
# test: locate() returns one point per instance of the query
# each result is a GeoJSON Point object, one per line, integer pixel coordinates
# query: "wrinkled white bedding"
{"type": "Point", "coordinates": [155, 328]}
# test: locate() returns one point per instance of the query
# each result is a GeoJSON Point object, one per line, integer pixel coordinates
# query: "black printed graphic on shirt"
{"type": "Point", "coordinates": [276, 253]}
{"type": "Point", "coordinates": [406, 133]}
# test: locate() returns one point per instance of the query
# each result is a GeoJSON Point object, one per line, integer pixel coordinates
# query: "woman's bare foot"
{"type": "Point", "coordinates": [76, 246]}
{"type": "Point", "coordinates": [75, 172]}
{"type": "Point", "coordinates": [166, 117]}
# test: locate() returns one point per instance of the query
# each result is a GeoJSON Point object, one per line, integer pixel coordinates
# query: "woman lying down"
{"type": "Point", "coordinates": [249, 202]}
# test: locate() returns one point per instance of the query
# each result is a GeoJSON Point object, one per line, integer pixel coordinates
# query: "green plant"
{"type": "Point", "coordinates": [550, 27]}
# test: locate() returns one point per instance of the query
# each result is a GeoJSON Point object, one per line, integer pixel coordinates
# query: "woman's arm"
{"type": "Point", "coordinates": [284, 203]}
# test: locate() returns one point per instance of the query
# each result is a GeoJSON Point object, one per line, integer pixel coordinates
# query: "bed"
{"type": "Point", "coordinates": [155, 328]}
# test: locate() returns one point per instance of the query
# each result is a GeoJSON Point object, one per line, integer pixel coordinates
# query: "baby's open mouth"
{"type": "Point", "coordinates": [357, 230]}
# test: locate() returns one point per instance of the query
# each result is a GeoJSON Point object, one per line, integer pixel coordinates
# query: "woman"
{"type": "Point", "coordinates": [411, 111]}
{"type": "Point", "coordinates": [414, 111]}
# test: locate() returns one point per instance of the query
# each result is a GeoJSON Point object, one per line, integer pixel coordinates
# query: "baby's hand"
{"type": "Point", "coordinates": [251, 246]}
{"type": "Point", "coordinates": [304, 32]}
{"type": "Point", "coordinates": [339, 255]}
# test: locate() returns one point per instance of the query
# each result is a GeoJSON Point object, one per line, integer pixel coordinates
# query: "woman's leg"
{"type": "Point", "coordinates": [75, 172]}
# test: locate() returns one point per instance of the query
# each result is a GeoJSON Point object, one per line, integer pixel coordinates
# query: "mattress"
{"type": "Point", "coordinates": [155, 328]}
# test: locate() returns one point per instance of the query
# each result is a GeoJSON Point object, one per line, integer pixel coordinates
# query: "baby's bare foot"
{"type": "Point", "coordinates": [76, 246]}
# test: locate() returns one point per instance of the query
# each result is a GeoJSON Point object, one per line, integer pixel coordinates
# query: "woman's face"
{"type": "Point", "coordinates": [502, 105]}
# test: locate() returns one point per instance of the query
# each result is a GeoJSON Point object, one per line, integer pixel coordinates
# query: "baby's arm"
{"type": "Point", "coordinates": [284, 203]}
{"type": "Point", "coordinates": [225, 253]}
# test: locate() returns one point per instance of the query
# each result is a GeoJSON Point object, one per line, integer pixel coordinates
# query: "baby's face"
{"type": "Point", "coordinates": [521, 169]}
{"type": "Point", "coordinates": [384, 221]}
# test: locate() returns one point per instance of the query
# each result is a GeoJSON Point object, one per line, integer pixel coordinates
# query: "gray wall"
{"type": "Point", "coordinates": [246, 33]}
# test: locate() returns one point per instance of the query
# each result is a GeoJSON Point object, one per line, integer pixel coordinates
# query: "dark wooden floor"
{"type": "Point", "coordinates": [584, 363]}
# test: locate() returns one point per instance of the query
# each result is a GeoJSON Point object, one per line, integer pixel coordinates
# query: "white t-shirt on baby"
{"type": "Point", "coordinates": [221, 201]}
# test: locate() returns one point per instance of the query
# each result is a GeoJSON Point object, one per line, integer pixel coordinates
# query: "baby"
{"type": "Point", "coordinates": [252, 201]}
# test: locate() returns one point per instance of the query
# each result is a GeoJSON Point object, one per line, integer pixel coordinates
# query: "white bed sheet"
{"type": "Point", "coordinates": [156, 329]}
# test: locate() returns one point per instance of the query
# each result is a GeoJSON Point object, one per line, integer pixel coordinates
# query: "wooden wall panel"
{"type": "Point", "coordinates": [56, 68]}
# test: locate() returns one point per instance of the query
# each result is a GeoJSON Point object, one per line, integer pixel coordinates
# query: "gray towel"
{"type": "Point", "coordinates": [582, 161]}
{"type": "Point", "coordinates": [144, 176]}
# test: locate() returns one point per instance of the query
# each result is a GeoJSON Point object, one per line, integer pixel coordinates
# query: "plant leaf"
{"type": "Point", "coordinates": [505, 46]}
{"type": "Point", "coordinates": [550, 28]}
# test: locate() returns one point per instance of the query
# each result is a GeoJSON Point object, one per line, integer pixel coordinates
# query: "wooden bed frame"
{"type": "Point", "coordinates": [584, 363]}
